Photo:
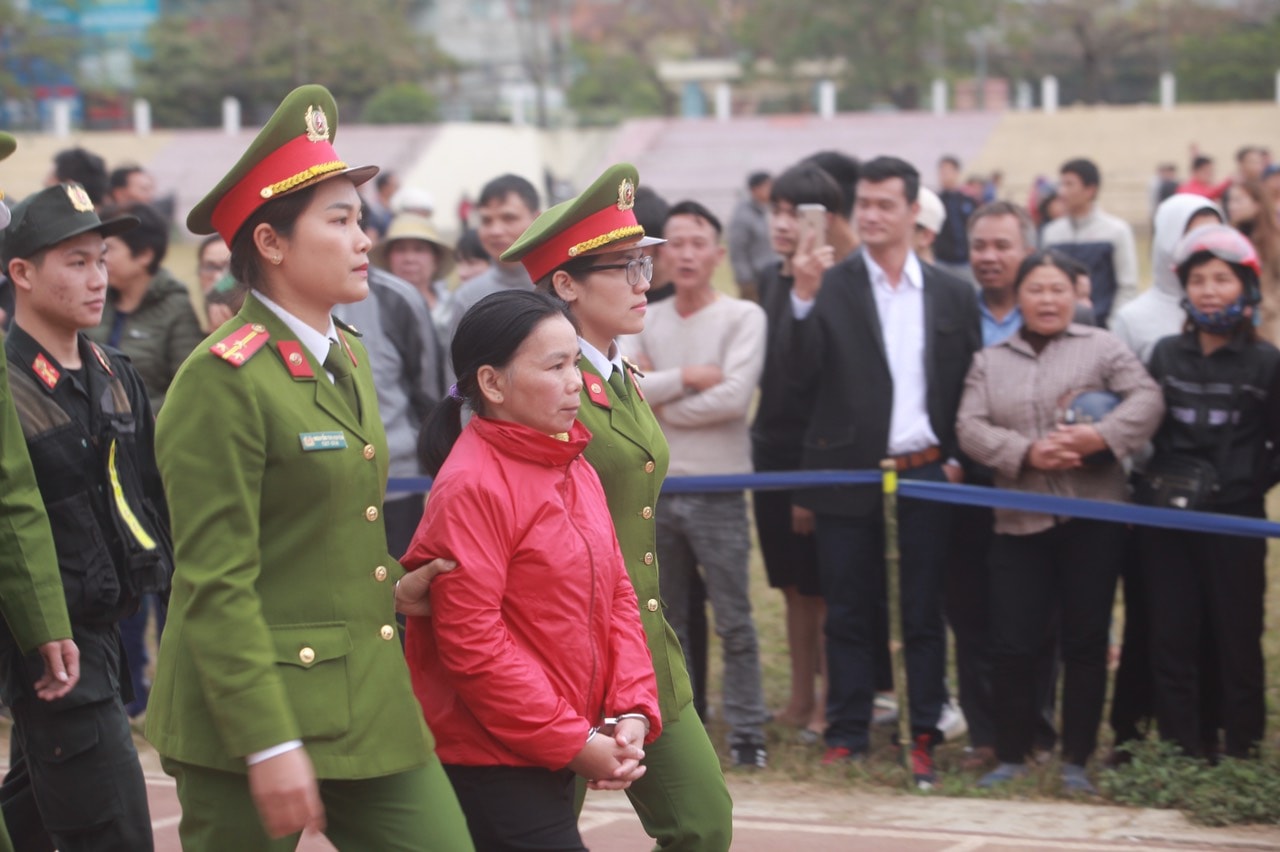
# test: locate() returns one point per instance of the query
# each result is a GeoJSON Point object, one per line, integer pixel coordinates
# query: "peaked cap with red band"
{"type": "Point", "coordinates": [601, 219]}
{"type": "Point", "coordinates": [293, 150]}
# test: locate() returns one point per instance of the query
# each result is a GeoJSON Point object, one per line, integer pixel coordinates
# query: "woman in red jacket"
{"type": "Point", "coordinates": [534, 664]}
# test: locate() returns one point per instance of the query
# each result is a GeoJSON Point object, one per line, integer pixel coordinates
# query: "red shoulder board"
{"type": "Point", "coordinates": [294, 361]}
{"type": "Point", "coordinates": [242, 344]}
{"type": "Point", "coordinates": [102, 359]}
{"type": "Point", "coordinates": [595, 390]}
{"type": "Point", "coordinates": [347, 346]}
{"type": "Point", "coordinates": [46, 372]}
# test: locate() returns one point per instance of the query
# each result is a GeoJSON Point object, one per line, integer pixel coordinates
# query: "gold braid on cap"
{"type": "Point", "coordinates": [301, 178]}
{"type": "Point", "coordinates": [604, 239]}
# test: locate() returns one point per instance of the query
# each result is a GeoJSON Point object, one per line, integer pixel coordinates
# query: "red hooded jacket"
{"type": "Point", "coordinates": [535, 638]}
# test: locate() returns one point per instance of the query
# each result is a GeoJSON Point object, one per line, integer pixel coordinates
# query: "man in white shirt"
{"type": "Point", "coordinates": [884, 344]}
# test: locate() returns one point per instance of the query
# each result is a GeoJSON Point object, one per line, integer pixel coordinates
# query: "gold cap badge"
{"type": "Point", "coordinates": [626, 195]}
{"type": "Point", "coordinates": [317, 124]}
{"type": "Point", "coordinates": [79, 198]}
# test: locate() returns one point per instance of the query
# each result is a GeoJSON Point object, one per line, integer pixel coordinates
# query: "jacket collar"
{"type": "Point", "coordinates": [522, 442]}
{"type": "Point", "coordinates": [1018, 343]}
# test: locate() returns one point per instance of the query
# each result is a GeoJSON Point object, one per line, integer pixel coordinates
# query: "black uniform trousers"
{"type": "Point", "coordinates": [1071, 567]}
{"type": "Point", "coordinates": [1198, 584]}
{"type": "Point", "coordinates": [74, 782]}
{"type": "Point", "coordinates": [967, 591]}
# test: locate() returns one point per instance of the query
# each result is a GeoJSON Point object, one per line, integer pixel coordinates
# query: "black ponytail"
{"type": "Point", "coordinates": [489, 333]}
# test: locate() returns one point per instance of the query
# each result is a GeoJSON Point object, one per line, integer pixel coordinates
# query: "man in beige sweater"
{"type": "Point", "coordinates": [703, 352]}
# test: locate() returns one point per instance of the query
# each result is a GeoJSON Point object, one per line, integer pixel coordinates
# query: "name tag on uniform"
{"type": "Point", "coordinates": [315, 441]}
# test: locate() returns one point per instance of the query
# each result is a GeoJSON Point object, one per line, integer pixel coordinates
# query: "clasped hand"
{"type": "Point", "coordinates": [1065, 448]}
{"type": "Point", "coordinates": [612, 762]}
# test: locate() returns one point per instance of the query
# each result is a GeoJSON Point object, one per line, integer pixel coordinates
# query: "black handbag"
{"type": "Point", "coordinates": [1177, 482]}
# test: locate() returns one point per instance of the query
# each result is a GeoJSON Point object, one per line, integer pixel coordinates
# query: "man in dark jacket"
{"type": "Point", "coordinates": [75, 781]}
{"type": "Point", "coordinates": [883, 343]}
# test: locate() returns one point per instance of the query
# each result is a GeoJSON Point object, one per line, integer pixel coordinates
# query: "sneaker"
{"type": "Point", "coordinates": [884, 710]}
{"type": "Point", "coordinates": [837, 755]}
{"type": "Point", "coordinates": [748, 754]}
{"type": "Point", "coordinates": [922, 770]}
{"type": "Point", "coordinates": [1074, 780]}
{"type": "Point", "coordinates": [1002, 774]}
{"type": "Point", "coordinates": [952, 722]}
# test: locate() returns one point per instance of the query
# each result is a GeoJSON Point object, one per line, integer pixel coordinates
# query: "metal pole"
{"type": "Point", "coordinates": [892, 561]}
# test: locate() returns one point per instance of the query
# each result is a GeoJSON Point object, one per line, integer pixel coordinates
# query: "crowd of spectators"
{"type": "Point", "coordinates": [964, 336]}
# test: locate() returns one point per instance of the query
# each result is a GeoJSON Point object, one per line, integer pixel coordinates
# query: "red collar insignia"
{"type": "Point", "coordinates": [294, 361]}
{"type": "Point", "coordinates": [46, 372]}
{"type": "Point", "coordinates": [347, 346]}
{"type": "Point", "coordinates": [594, 386]}
{"type": "Point", "coordinates": [102, 358]}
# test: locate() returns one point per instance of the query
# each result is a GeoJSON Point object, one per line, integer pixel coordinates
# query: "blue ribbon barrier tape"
{"type": "Point", "coordinates": [962, 495]}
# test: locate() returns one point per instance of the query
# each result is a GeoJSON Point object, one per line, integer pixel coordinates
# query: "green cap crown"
{"type": "Point", "coordinates": [292, 151]}
{"type": "Point", "coordinates": [600, 218]}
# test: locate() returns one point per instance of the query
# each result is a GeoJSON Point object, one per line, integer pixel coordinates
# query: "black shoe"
{"type": "Point", "coordinates": [748, 754]}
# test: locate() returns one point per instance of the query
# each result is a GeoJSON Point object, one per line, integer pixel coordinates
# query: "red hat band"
{"type": "Point", "coordinates": [599, 229]}
{"type": "Point", "coordinates": [288, 167]}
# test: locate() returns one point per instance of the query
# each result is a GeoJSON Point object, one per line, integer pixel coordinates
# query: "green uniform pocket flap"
{"type": "Point", "coordinates": [305, 645]}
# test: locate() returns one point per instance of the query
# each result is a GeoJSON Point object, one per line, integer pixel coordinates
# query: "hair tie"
{"type": "Point", "coordinates": [453, 393]}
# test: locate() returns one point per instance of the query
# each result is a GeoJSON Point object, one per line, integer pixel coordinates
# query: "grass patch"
{"type": "Point", "coordinates": [1233, 792]}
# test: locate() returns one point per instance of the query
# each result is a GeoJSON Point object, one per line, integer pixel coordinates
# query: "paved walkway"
{"type": "Point", "coordinates": [780, 816]}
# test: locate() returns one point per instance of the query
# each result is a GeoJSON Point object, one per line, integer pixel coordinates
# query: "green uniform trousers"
{"type": "Point", "coordinates": [682, 800]}
{"type": "Point", "coordinates": [407, 812]}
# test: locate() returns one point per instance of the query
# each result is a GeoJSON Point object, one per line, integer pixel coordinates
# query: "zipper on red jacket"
{"type": "Point", "coordinates": [591, 606]}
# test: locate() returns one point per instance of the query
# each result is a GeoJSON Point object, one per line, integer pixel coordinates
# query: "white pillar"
{"type": "Point", "coordinates": [724, 107]}
{"type": "Point", "coordinates": [230, 116]}
{"type": "Point", "coordinates": [938, 94]}
{"type": "Point", "coordinates": [62, 117]}
{"type": "Point", "coordinates": [518, 116]}
{"type": "Point", "coordinates": [827, 98]}
{"type": "Point", "coordinates": [1168, 90]}
{"type": "Point", "coordinates": [1023, 96]}
{"type": "Point", "coordinates": [1049, 94]}
{"type": "Point", "coordinates": [142, 117]}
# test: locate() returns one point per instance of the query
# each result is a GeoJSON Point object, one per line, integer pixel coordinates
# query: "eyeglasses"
{"type": "Point", "coordinates": [636, 267]}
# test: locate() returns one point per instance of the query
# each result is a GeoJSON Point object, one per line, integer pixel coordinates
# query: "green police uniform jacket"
{"type": "Point", "coordinates": [31, 599]}
{"type": "Point", "coordinates": [281, 623]}
{"type": "Point", "coordinates": [630, 455]}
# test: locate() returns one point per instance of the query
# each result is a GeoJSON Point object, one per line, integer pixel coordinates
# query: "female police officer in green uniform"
{"type": "Point", "coordinates": [588, 252]}
{"type": "Point", "coordinates": [280, 663]}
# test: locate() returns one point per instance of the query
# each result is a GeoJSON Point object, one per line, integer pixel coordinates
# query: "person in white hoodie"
{"type": "Point", "coordinates": [1158, 311]}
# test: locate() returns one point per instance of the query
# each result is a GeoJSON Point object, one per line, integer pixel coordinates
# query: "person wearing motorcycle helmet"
{"type": "Point", "coordinates": [1221, 387]}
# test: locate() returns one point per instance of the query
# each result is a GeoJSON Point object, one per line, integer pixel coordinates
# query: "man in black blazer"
{"type": "Point", "coordinates": [883, 344]}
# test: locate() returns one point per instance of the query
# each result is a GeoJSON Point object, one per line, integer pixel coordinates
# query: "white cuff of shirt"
{"type": "Point", "coordinates": [268, 753]}
{"type": "Point", "coordinates": [800, 308]}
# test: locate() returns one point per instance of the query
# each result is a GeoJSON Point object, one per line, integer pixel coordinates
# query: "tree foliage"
{"type": "Point", "coordinates": [401, 103]}
{"type": "Point", "coordinates": [1236, 64]}
{"type": "Point", "coordinates": [608, 88]}
{"type": "Point", "coordinates": [256, 50]}
{"type": "Point", "coordinates": [29, 48]}
{"type": "Point", "coordinates": [890, 50]}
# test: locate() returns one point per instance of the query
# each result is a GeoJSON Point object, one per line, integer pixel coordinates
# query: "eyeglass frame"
{"type": "Point", "coordinates": [644, 264]}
